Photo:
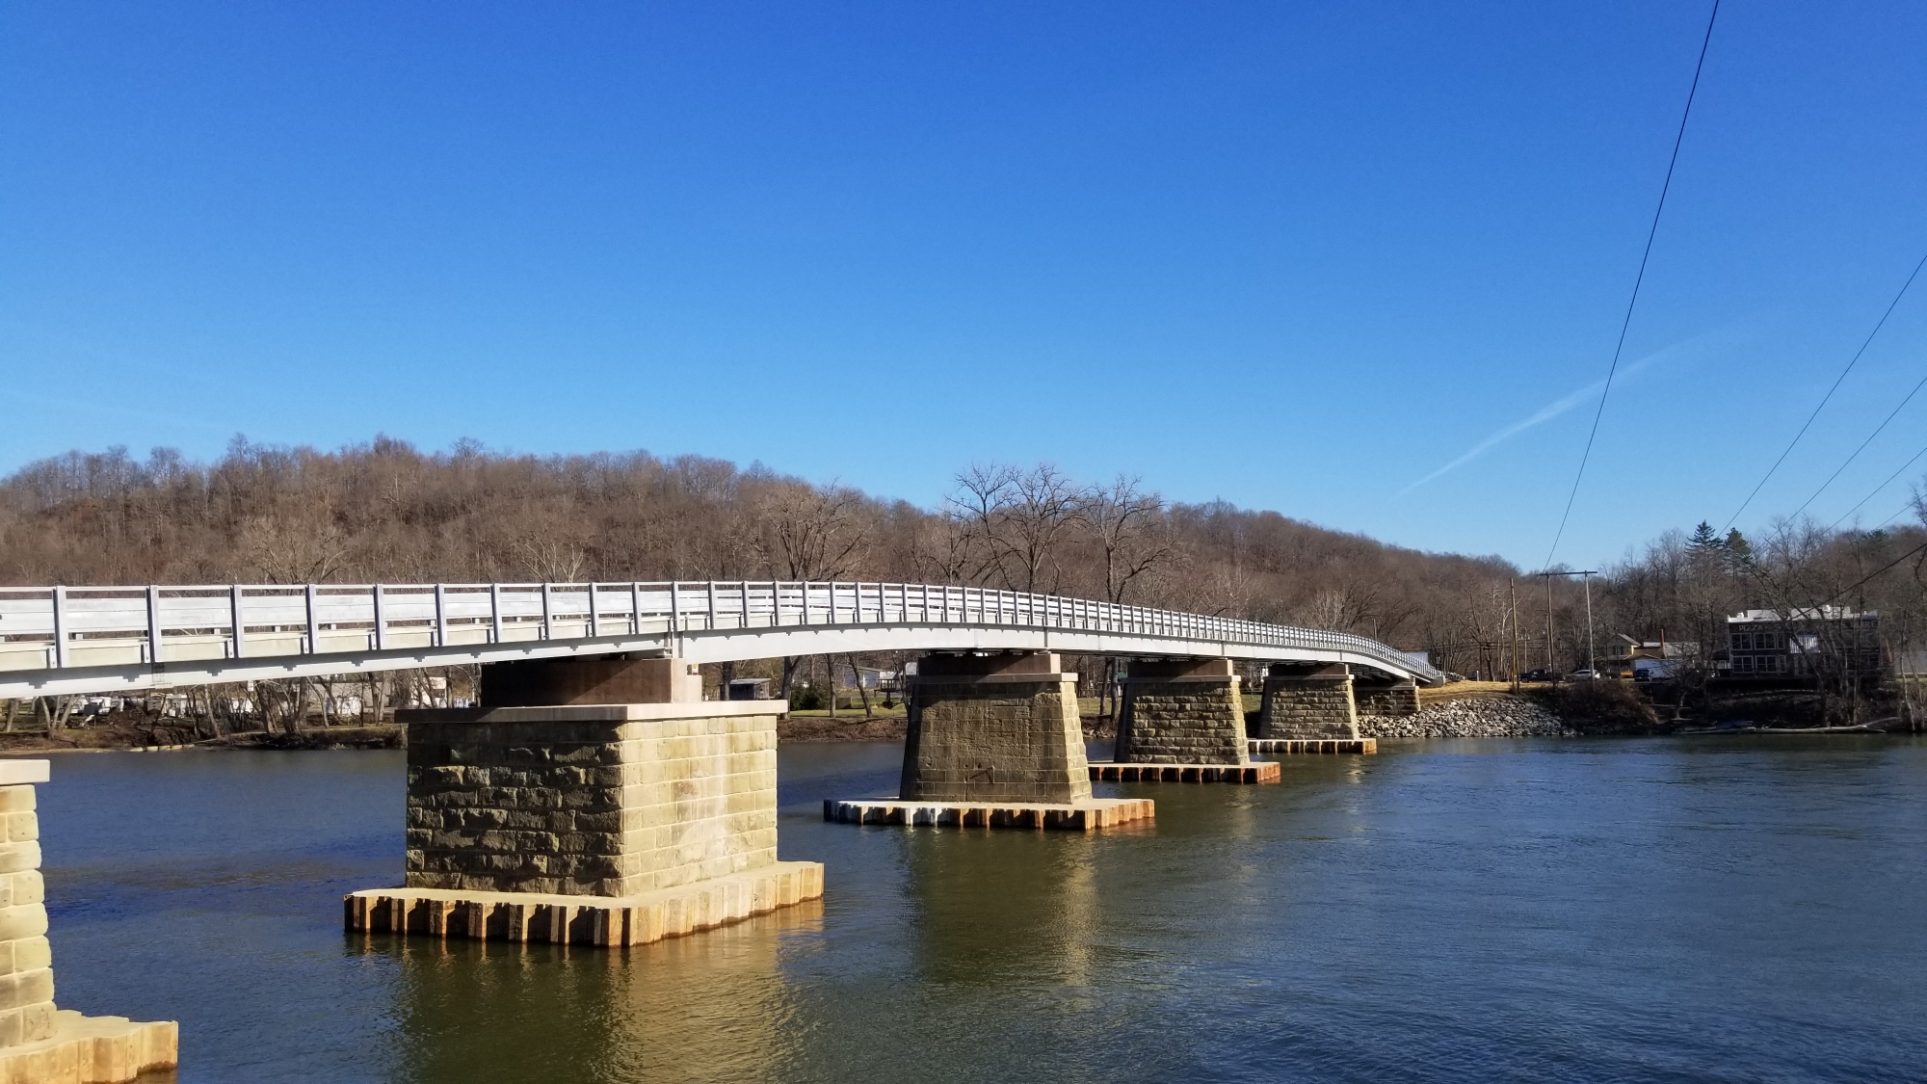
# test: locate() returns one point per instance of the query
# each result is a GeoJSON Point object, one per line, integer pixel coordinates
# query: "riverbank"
{"type": "Point", "coordinates": [117, 739]}
{"type": "Point", "coordinates": [1484, 712]}
{"type": "Point", "coordinates": [93, 739]}
{"type": "Point", "coordinates": [1486, 716]}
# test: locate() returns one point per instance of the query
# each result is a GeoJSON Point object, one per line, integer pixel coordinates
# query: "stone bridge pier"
{"type": "Point", "coordinates": [1376, 693]}
{"type": "Point", "coordinates": [37, 1041]}
{"type": "Point", "coordinates": [994, 741]}
{"type": "Point", "coordinates": [590, 801]}
{"type": "Point", "coordinates": [1310, 708]}
{"type": "Point", "coordinates": [1183, 720]}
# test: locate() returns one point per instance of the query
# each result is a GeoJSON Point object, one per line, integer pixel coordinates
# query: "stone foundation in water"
{"type": "Point", "coordinates": [583, 920]}
{"type": "Point", "coordinates": [1313, 746]}
{"type": "Point", "coordinates": [1085, 815]}
{"type": "Point", "coordinates": [1246, 773]}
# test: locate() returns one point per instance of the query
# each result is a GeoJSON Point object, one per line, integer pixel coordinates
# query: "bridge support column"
{"type": "Point", "coordinates": [1385, 695]}
{"type": "Point", "coordinates": [569, 809]}
{"type": "Point", "coordinates": [994, 741]}
{"type": "Point", "coordinates": [38, 1041]}
{"type": "Point", "coordinates": [1308, 701]}
{"type": "Point", "coordinates": [1183, 721]}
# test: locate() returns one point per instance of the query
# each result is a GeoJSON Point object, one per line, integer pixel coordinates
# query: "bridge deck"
{"type": "Point", "coordinates": [56, 640]}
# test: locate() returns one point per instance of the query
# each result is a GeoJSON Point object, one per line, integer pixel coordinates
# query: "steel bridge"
{"type": "Point", "coordinates": [70, 640]}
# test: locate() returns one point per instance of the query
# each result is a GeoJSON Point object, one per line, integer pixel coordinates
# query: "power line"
{"type": "Point", "coordinates": [1922, 383]}
{"type": "Point", "coordinates": [1904, 509]}
{"type": "Point", "coordinates": [1625, 323]}
{"type": "Point", "coordinates": [1849, 589]}
{"type": "Point", "coordinates": [1876, 491]}
{"type": "Point", "coordinates": [1855, 360]}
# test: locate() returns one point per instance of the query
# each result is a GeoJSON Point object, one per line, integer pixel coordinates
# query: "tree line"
{"type": "Point", "coordinates": [386, 511]}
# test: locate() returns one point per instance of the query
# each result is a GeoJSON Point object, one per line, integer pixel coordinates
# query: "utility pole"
{"type": "Point", "coordinates": [1592, 651]}
{"type": "Point", "coordinates": [1512, 594]}
{"type": "Point", "coordinates": [1550, 667]}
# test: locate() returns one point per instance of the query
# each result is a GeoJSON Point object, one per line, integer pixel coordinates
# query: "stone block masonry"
{"type": "Point", "coordinates": [597, 824]}
{"type": "Point", "coordinates": [1308, 701]}
{"type": "Point", "coordinates": [610, 800]}
{"type": "Point", "coordinates": [999, 728]}
{"type": "Point", "coordinates": [1181, 712]}
{"type": "Point", "coordinates": [1386, 698]}
{"type": "Point", "coordinates": [37, 1041]}
{"type": "Point", "coordinates": [994, 741]}
{"type": "Point", "coordinates": [26, 959]}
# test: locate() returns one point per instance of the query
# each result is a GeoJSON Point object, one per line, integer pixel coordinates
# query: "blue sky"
{"type": "Point", "coordinates": [1299, 257]}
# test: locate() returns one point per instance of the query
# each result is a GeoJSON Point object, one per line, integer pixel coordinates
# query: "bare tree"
{"type": "Point", "coordinates": [944, 549]}
{"type": "Point", "coordinates": [1128, 527]}
{"type": "Point", "coordinates": [804, 533]}
{"type": "Point", "coordinates": [1019, 518]}
{"type": "Point", "coordinates": [547, 559]}
{"type": "Point", "coordinates": [302, 546]}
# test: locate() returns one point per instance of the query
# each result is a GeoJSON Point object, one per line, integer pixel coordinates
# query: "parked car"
{"type": "Point", "coordinates": [1583, 675]}
{"type": "Point", "coordinates": [1541, 674]}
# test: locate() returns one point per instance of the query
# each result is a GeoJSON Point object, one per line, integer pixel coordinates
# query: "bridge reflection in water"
{"type": "Point", "coordinates": [718, 1006]}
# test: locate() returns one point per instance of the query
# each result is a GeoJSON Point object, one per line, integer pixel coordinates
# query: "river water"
{"type": "Point", "coordinates": [1719, 909]}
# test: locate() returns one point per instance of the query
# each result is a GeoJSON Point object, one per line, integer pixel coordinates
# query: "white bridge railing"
{"type": "Point", "coordinates": [151, 636]}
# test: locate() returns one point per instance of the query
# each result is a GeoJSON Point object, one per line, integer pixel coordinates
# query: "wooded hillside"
{"type": "Point", "coordinates": [388, 512]}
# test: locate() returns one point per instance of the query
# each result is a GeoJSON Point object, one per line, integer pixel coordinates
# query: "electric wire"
{"type": "Point", "coordinates": [1855, 360]}
{"type": "Point", "coordinates": [1857, 584]}
{"type": "Point", "coordinates": [1922, 383]}
{"type": "Point", "coordinates": [1904, 509]}
{"type": "Point", "coordinates": [1625, 323]}
{"type": "Point", "coordinates": [1902, 469]}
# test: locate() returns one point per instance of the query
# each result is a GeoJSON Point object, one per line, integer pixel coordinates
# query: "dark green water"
{"type": "Point", "coordinates": [1738, 910]}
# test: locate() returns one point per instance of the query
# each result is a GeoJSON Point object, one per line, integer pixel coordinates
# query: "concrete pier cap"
{"type": "Point", "coordinates": [1310, 671]}
{"type": "Point", "coordinates": [596, 679]}
{"type": "Point", "coordinates": [1180, 669]}
{"type": "Point", "coordinates": [939, 666]}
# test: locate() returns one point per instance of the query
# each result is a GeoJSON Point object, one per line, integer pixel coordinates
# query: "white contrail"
{"type": "Point", "coordinates": [1566, 402]}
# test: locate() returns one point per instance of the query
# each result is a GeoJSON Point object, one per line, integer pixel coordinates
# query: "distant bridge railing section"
{"type": "Point", "coordinates": [73, 628]}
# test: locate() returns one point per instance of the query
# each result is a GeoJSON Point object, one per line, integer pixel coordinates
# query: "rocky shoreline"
{"type": "Point", "coordinates": [1481, 717]}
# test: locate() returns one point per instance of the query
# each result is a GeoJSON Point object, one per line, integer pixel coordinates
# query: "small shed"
{"type": "Point", "coordinates": [746, 689]}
